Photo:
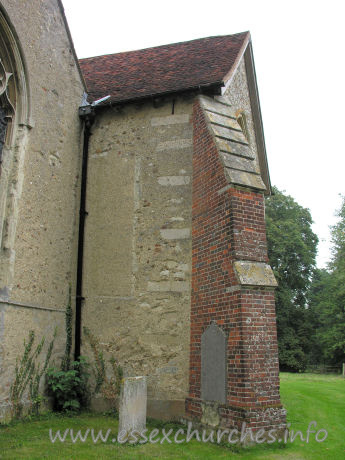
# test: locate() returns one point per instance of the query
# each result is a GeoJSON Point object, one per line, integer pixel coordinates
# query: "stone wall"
{"type": "Point", "coordinates": [39, 181]}
{"type": "Point", "coordinates": [138, 245]}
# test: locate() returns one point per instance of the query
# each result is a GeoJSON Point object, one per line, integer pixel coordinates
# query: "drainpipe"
{"type": "Point", "coordinates": [87, 114]}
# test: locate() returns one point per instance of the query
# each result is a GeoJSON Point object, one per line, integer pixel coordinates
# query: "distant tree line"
{"type": "Point", "coordinates": [310, 302]}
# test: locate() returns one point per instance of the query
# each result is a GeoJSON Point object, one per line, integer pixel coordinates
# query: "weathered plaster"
{"type": "Point", "coordinates": [138, 242]}
{"type": "Point", "coordinates": [40, 176]}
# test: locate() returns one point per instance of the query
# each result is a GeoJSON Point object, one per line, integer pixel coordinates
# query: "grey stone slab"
{"type": "Point", "coordinates": [229, 134]}
{"type": "Point", "coordinates": [254, 273]}
{"type": "Point", "coordinates": [170, 120]}
{"type": "Point", "coordinates": [174, 144]}
{"type": "Point", "coordinates": [215, 106]}
{"type": "Point", "coordinates": [168, 286]}
{"type": "Point", "coordinates": [210, 413]}
{"type": "Point", "coordinates": [173, 180]}
{"type": "Point", "coordinates": [223, 120]}
{"type": "Point", "coordinates": [175, 233]}
{"type": "Point", "coordinates": [242, 164]}
{"type": "Point", "coordinates": [213, 364]}
{"type": "Point", "coordinates": [133, 402]}
{"type": "Point", "coordinates": [245, 179]}
{"type": "Point", "coordinates": [235, 148]}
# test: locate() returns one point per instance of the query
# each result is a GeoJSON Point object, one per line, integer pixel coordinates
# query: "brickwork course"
{"type": "Point", "coordinates": [175, 241]}
{"type": "Point", "coordinates": [228, 228]}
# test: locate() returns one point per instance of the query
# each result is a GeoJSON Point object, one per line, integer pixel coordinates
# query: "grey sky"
{"type": "Point", "coordinates": [300, 66]}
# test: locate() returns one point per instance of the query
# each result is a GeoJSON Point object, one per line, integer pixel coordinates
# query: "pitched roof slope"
{"type": "Point", "coordinates": [163, 69]}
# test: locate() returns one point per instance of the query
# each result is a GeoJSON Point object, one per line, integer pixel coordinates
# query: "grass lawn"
{"type": "Point", "coordinates": [307, 397]}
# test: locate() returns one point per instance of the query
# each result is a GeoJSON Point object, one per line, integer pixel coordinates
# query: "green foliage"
{"type": "Point", "coordinates": [69, 388]}
{"type": "Point", "coordinates": [306, 397]}
{"type": "Point", "coordinates": [292, 247]}
{"type": "Point", "coordinates": [327, 302]}
{"type": "Point", "coordinates": [108, 386]}
{"type": "Point", "coordinates": [28, 375]}
{"type": "Point", "coordinates": [338, 240]}
{"type": "Point", "coordinates": [69, 385]}
{"type": "Point", "coordinates": [310, 302]}
{"type": "Point", "coordinates": [99, 365]}
{"type": "Point", "coordinates": [36, 398]}
{"type": "Point", "coordinates": [23, 374]}
{"type": "Point", "coordinates": [66, 360]}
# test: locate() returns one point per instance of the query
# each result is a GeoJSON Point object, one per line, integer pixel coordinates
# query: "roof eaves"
{"type": "Point", "coordinates": [214, 86]}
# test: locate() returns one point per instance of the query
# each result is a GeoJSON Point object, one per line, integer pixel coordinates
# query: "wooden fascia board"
{"type": "Point", "coordinates": [228, 77]}
{"type": "Point", "coordinates": [257, 117]}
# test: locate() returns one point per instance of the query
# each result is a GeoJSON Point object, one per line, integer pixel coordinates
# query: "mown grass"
{"type": "Point", "coordinates": [307, 397]}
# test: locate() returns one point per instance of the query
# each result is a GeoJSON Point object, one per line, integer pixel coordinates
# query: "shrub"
{"type": "Point", "coordinates": [28, 375]}
{"type": "Point", "coordinates": [69, 388]}
{"type": "Point", "coordinates": [69, 385]}
{"type": "Point", "coordinates": [109, 387]}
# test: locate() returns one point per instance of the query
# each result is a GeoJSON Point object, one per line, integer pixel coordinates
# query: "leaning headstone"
{"type": "Point", "coordinates": [213, 364]}
{"type": "Point", "coordinates": [133, 401]}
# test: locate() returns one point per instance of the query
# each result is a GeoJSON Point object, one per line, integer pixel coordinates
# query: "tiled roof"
{"type": "Point", "coordinates": [163, 69]}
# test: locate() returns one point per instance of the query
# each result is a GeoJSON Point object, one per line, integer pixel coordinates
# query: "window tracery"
{"type": "Point", "coordinates": [6, 106]}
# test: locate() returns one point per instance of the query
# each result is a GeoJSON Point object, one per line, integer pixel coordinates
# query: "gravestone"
{"type": "Point", "coordinates": [133, 401]}
{"type": "Point", "coordinates": [213, 364]}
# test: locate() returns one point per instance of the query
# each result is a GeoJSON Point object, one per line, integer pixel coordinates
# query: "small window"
{"type": "Point", "coordinates": [242, 121]}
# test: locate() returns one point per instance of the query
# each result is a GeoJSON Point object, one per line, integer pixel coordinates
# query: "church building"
{"type": "Point", "coordinates": [139, 179]}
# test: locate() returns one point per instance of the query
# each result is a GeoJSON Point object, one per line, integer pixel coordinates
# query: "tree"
{"type": "Point", "coordinates": [292, 248]}
{"type": "Point", "coordinates": [327, 299]}
{"type": "Point", "coordinates": [338, 240]}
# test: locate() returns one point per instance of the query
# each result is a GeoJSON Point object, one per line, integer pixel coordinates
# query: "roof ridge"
{"type": "Point", "coordinates": [165, 46]}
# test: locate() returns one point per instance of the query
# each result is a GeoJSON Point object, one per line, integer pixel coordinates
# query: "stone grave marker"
{"type": "Point", "coordinates": [213, 364]}
{"type": "Point", "coordinates": [133, 402]}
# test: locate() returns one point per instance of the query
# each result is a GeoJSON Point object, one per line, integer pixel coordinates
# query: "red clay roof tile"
{"type": "Point", "coordinates": [163, 69]}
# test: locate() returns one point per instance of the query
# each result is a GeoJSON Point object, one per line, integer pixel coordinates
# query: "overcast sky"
{"type": "Point", "coordinates": [300, 65]}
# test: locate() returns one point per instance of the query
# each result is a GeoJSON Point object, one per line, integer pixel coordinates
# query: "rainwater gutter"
{"type": "Point", "coordinates": [87, 114]}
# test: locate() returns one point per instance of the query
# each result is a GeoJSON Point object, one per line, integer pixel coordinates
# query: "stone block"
{"type": "Point", "coordinates": [210, 413]}
{"type": "Point", "coordinates": [133, 402]}
{"type": "Point", "coordinates": [224, 121]}
{"type": "Point", "coordinates": [217, 107]}
{"type": "Point", "coordinates": [242, 164]}
{"type": "Point", "coordinates": [174, 180]}
{"type": "Point", "coordinates": [175, 144]}
{"type": "Point", "coordinates": [254, 274]}
{"type": "Point", "coordinates": [235, 148]}
{"type": "Point", "coordinates": [229, 134]}
{"type": "Point", "coordinates": [175, 233]}
{"type": "Point", "coordinates": [246, 179]}
{"type": "Point", "coordinates": [168, 286]}
{"type": "Point", "coordinates": [170, 120]}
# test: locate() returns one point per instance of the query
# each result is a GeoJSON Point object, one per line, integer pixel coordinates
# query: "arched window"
{"type": "Point", "coordinates": [14, 90]}
{"type": "Point", "coordinates": [14, 127]}
{"type": "Point", "coordinates": [7, 109]}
